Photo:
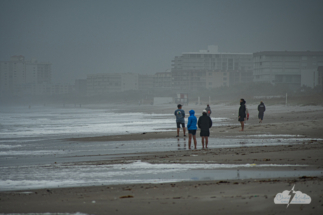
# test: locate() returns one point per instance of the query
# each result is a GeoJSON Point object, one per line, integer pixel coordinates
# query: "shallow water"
{"type": "Point", "coordinates": [50, 151]}
{"type": "Point", "coordinates": [49, 122]}
{"type": "Point", "coordinates": [53, 176]}
{"type": "Point", "coordinates": [33, 152]}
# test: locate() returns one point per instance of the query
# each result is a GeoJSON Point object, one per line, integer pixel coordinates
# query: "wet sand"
{"type": "Point", "coordinates": [203, 197]}
{"type": "Point", "coordinates": [249, 196]}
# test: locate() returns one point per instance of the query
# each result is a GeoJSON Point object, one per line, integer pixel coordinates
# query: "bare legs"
{"type": "Point", "coordinates": [206, 141]}
{"type": "Point", "coordinates": [178, 129]}
{"type": "Point", "coordinates": [190, 139]}
{"type": "Point", "coordinates": [242, 125]}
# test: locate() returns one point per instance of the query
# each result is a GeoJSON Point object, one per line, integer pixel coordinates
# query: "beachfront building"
{"type": "Point", "coordinates": [163, 80]}
{"type": "Point", "coordinates": [80, 86]}
{"type": "Point", "coordinates": [102, 83]}
{"type": "Point", "coordinates": [211, 69]}
{"type": "Point", "coordinates": [61, 89]}
{"type": "Point", "coordinates": [292, 68]}
{"type": "Point", "coordinates": [145, 82]}
{"type": "Point", "coordinates": [21, 77]}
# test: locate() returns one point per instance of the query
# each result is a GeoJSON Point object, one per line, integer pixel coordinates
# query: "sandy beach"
{"type": "Point", "coordinates": [232, 196]}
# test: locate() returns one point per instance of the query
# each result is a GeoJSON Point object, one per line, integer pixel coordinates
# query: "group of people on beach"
{"type": "Point", "coordinates": [204, 123]}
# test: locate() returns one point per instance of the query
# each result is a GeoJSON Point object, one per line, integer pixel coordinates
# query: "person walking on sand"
{"type": "Point", "coordinates": [242, 113]}
{"type": "Point", "coordinates": [208, 110]}
{"type": "Point", "coordinates": [204, 123]}
{"type": "Point", "coordinates": [191, 127]}
{"type": "Point", "coordinates": [261, 111]}
{"type": "Point", "coordinates": [180, 119]}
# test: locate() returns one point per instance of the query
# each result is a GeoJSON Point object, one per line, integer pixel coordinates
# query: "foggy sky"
{"type": "Point", "coordinates": [80, 37]}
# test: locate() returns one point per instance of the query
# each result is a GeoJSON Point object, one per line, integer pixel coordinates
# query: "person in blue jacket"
{"type": "Point", "coordinates": [191, 127]}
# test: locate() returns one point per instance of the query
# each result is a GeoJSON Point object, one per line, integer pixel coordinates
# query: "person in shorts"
{"type": "Point", "coordinates": [180, 119]}
{"type": "Point", "coordinates": [204, 123]}
{"type": "Point", "coordinates": [191, 127]}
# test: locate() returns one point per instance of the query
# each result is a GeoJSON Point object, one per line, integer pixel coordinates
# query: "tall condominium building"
{"type": "Point", "coordinates": [111, 82]}
{"type": "Point", "coordinates": [20, 77]}
{"type": "Point", "coordinates": [211, 69]}
{"type": "Point", "coordinates": [293, 68]}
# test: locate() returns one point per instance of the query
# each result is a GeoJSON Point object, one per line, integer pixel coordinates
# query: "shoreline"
{"type": "Point", "coordinates": [231, 196]}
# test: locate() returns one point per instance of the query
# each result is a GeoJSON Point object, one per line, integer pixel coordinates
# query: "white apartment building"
{"type": "Point", "coordinates": [294, 68]}
{"type": "Point", "coordinates": [102, 83]}
{"type": "Point", "coordinates": [20, 77]}
{"type": "Point", "coordinates": [211, 69]}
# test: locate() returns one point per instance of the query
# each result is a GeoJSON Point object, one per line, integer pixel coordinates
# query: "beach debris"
{"type": "Point", "coordinates": [222, 182]}
{"type": "Point", "coordinates": [176, 197]}
{"type": "Point", "coordinates": [144, 133]}
{"type": "Point", "coordinates": [125, 197]}
{"type": "Point", "coordinates": [307, 177]}
{"type": "Point", "coordinates": [266, 159]}
{"type": "Point", "coordinates": [93, 201]}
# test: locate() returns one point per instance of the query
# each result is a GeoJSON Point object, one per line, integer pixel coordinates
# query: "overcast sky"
{"type": "Point", "coordinates": [90, 36]}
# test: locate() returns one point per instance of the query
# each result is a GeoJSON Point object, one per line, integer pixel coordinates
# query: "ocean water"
{"type": "Point", "coordinates": [54, 176]}
{"type": "Point", "coordinates": [47, 122]}
{"type": "Point", "coordinates": [34, 150]}
{"type": "Point", "coordinates": [38, 135]}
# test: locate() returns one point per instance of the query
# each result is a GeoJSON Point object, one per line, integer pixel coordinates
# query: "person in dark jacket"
{"type": "Point", "coordinates": [242, 113]}
{"type": "Point", "coordinates": [208, 110]}
{"type": "Point", "coordinates": [261, 111]}
{"type": "Point", "coordinates": [205, 123]}
{"type": "Point", "coordinates": [191, 127]}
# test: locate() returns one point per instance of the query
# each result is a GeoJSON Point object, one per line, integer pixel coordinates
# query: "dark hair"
{"type": "Point", "coordinates": [243, 100]}
{"type": "Point", "coordinates": [179, 105]}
